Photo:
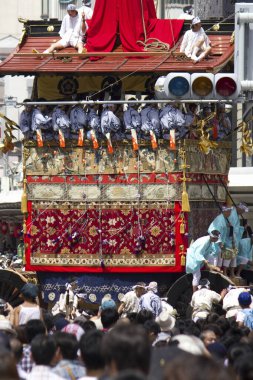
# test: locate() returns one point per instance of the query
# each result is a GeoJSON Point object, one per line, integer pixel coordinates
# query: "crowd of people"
{"type": "Point", "coordinates": [118, 122]}
{"type": "Point", "coordinates": [142, 338]}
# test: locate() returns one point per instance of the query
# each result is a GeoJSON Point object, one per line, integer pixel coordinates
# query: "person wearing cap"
{"type": "Point", "coordinates": [198, 255]}
{"type": "Point", "coordinates": [227, 239]}
{"type": "Point", "coordinates": [195, 44]}
{"type": "Point", "coordinates": [150, 300]}
{"type": "Point", "coordinates": [203, 299]}
{"type": "Point", "coordinates": [73, 29]}
{"type": "Point", "coordinates": [246, 312]}
{"type": "Point", "coordinates": [29, 309]}
{"type": "Point", "coordinates": [130, 301]}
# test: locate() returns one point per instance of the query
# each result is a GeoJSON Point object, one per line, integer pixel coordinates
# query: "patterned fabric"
{"type": "Point", "coordinates": [69, 369]}
{"type": "Point", "coordinates": [172, 118]}
{"type": "Point", "coordinates": [26, 362]}
{"type": "Point", "coordinates": [25, 121]}
{"type": "Point", "coordinates": [78, 118]}
{"type": "Point", "coordinates": [78, 231]}
{"type": "Point", "coordinates": [151, 301]}
{"type": "Point", "coordinates": [40, 121]}
{"type": "Point", "coordinates": [150, 120]}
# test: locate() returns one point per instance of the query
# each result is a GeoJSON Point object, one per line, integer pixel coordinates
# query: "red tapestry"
{"type": "Point", "coordinates": [129, 18]}
{"type": "Point", "coordinates": [117, 231]}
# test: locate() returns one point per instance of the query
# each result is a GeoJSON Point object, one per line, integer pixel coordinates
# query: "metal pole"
{"type": "Point", "coordinates": [93, 102]}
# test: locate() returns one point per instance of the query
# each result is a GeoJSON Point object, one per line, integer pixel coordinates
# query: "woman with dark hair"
{"type": "Point", "coordinates": [29, 309]}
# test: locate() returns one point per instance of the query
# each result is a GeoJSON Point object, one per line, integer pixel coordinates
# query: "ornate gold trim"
{"type": "Point", "coordinates": [104, 205]}
{"type": "Point", "coordinates": [112, 261]}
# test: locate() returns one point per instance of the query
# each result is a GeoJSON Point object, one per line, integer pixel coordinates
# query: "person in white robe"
{"type": "Point", "coordinates": [198, 256]}
{"type": "Point", "coordinates": [73, 29]}
{"type": "Point", "coordinates": [195, 44]}
{"type": "Point", "coordinates": [130, 301]}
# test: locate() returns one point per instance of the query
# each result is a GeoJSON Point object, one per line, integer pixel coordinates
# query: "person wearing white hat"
{"type": "Point", "coordinates": [198, 255]}
{"type": "Point", "coordinates": [203, 300]}
{"type": "Point", "coordinates": [195, 44]}
{"type": "Point", "coordinates": [73, 29]}
{"type": "Point", "coordinates": [130, 301]}
{"type": "Point", "coordinates": [150, 300]}
{"type": "Point", "coordinates": [227, 258]}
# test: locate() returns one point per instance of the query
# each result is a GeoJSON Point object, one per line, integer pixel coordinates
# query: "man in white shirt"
{"type": "Point", "coordinates": [43, 353]}
{"type": "Point", "coordinates": [195, 44]}
{"type": "Point", "coordinates": [130, 301]}
{"type": "Point", "coordinates": [203, 299]}
{"type": "Point", "coordinates": [73, 29]}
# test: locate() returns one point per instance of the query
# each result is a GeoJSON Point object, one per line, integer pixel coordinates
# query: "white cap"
{"type": "Point", "coordinates": [152, 286]}
{"type": "Point", "coordinates": [196, 20]}
{"type": "Point", "coordinates": [71, 7]}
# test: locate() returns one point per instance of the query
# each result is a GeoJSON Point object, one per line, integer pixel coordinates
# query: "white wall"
{"type": "Point", "coordinates": [10, 10]}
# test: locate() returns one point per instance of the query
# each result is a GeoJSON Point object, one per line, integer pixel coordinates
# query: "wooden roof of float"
{"type": "Point", "coordinates": [23, 62]}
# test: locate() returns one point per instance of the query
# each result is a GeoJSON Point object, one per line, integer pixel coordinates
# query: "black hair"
{"type": "Point", "coordinates": [91, 350]}
{"type": "Point", "coordinates": [34, 327]}
{"type": "Point", "coordinates": [127, 346]}
{"type": "Point", "coordinates": [68, 345]}
{"type": "Point", "coordinates": [152, 327]}
{"type": "Point", "coordinates": [43, 348]}
{"type": "Point", "coordinates": [109, 317]}
{"type": "Point", "coordinates": [143, 316]}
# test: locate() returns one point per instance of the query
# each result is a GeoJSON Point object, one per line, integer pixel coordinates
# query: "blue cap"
{"type": "Point", "coordinates": [108, 304]}
{"type": "Point", "coordinates": [30, 290]}
{"type": "Point", "coordinates": [244, 299]}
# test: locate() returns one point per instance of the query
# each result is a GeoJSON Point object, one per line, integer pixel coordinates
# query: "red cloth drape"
{"type": "Point", "coordinates": [102, 30]}
{"type": "Point", "coordinates": [165, 30]}
{"type": "Point", "coordinates": [130, 18]}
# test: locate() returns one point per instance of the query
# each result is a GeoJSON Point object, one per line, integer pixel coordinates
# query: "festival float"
{"type": "Point", "coordinates": [114, 215]}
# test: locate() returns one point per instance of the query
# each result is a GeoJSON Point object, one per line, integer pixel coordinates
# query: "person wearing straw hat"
{"type": "Point", "coordinates": [198, 254]}
{"type": "Point", "coordinates": [195, 44]}
{"type": "Point", "coordinates": [73, 29]}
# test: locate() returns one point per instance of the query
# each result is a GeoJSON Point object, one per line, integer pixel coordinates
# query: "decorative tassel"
{"type": "Point", "coordinates": [134, 139]}
{"type": "Point", "coordinates": [182, 254]}
{"type": "Point", "coordinates": [24, 227]}
{"type": "Point", "coordinates": [102, 264]}
{"type": "Point", "coordinates": [153, 140]}
{"type": "Point", "coordinates": [182, 260]}
{"type": "Point", "coordinates": [24, 200]}
{"type": "Point", "coordinates": [172, 139]}
{"type": "Point", "coordinates": [39, 138]}
{"type": "Point", "coordinates": [185, 200]}
{"type": "Point", "coordinates": [80, 137]}
{"type": "Point", "coordinates": [109, 143]}
{"type": "Point", "coordinates": [61, 139]}
{"type": "Point", "coordinates": [94, 139]}
{"type": "Point", "coordinates": [182, 228]}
